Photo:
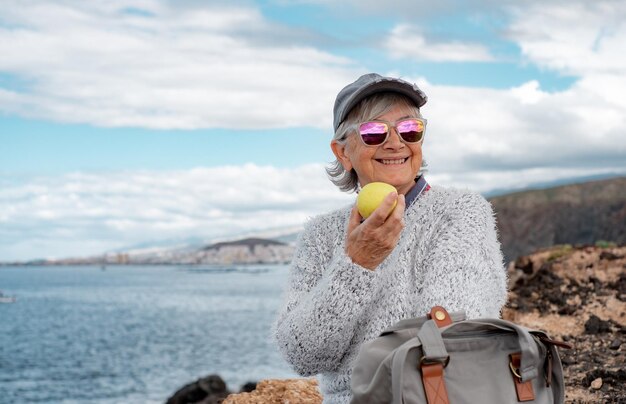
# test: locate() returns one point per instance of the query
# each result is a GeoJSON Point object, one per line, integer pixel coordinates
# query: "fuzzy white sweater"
{"type": "Point", "coordinates": [448, 254]}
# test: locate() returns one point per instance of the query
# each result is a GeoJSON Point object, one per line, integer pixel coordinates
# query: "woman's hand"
{"type": "Point", "coordinates": [370, 242]}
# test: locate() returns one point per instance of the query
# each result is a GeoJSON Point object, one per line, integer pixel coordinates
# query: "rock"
{"type": "Point", "coordinates": [620, 285]}
{"type": "Point", "coordinates": [525, 264]}
{"type": "Point", "coordinates": [615, 344]}
{"type": "Point", "coordinates": [248, 387]}
{"type": "Point", "coordinates": [609, 256]}
{"type": "Point", "coordinates": [207, 390]}
{"type": "Point", "coordinates": [596, 384]}
{"type": "Point", "coordinates": [304, 391]}
{"type": "Point", "coordinates": [596, 326]}
{"type": "Point", "coordinates": [567, 310]}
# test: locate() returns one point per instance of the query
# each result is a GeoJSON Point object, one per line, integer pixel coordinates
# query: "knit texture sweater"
{"type": "Point", "coordinates": [448, 254]}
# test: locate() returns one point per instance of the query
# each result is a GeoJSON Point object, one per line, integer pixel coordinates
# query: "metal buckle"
{"type": "Point", "coordinates": [444, 362]}
{"type": "Point", "coordinates": [515, 371]}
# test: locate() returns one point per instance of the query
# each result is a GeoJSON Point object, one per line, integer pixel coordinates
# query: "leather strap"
{"type": "Point", "coordinates": [416, 323]}
{"type": "Point", "coordinates": [440, 316]}
{"type": "Point", "coordinates": [547, 340]}
{"type": "Point", "coordinates": [434, 384]}
{"type": "Point", "coordinates": [550, 344]}
{"type": "Point", "coordinates": [524, 390]}
{"type": "Point", "coordinates": [548, 369]}
{"type": "Point", "coordinates": [432, 373]}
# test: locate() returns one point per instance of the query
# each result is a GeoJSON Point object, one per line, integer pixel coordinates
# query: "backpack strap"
{"type": "Point", "coordinates": [397, 368]}
{"type": "Point", "coordinates": [434, 384]}
{"type": "Point", "coordinates": [435, 357]}
{"type": "Point", "coordinates": [530, 356]}
{"type": "Point", "coordinates": [524, 390]}
{"type": "Point", "coordinates": [432, 363]}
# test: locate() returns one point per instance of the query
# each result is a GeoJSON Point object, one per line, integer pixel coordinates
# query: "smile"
{"type": "Point", "coordinates": [392, 161]}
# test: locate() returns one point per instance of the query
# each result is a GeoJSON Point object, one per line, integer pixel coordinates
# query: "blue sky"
{"type": "Point", "coordinates": [137, 121]}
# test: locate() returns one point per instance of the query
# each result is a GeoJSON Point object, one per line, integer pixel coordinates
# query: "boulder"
{"type": "Point", "coordinates": [207, 390]}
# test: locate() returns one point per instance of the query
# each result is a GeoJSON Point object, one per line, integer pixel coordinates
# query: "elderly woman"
{"type": "Point", "coordinates": [352, 278]}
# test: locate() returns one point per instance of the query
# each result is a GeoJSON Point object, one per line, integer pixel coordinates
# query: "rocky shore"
{"type": "Point", "coordinates": [576, 294]}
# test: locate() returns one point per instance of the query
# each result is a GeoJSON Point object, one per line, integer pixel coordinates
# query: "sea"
{"type": "Point", "coordinates": [135, 334]}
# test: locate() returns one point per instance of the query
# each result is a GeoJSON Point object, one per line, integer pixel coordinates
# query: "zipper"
{"type": "Point", "coordinates": [479, 334]}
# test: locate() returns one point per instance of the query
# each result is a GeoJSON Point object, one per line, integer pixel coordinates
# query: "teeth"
{"type": "Point", "coordinates": [397, 161]}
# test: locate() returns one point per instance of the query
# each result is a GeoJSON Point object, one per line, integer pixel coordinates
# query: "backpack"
{"type": "Point", "coordinates": [443, 358]}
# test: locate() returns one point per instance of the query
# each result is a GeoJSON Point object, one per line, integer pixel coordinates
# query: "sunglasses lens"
{"type": "Point", "coordinates": [411, 130]}
{"type": "Point", "coordinates": [373, 133]}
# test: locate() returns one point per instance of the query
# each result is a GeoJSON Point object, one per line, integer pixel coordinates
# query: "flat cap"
{"type": "Point", "coordinates": [370, 84]}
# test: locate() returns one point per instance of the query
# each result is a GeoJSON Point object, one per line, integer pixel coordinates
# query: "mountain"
{"type": "Point", "coordinates": [252, 250]}
{"type": "Point", "coordinates": [582, 213]}
{"type": "Point", "coordinates": [552, 184]}
{"type": "Point", "coordinates": [245, 251]}
{"type": "Point", "coordinates": [250, 243]}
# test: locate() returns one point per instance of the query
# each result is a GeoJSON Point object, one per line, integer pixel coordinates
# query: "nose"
{"type": "Point", "coordinates": [393, 141]}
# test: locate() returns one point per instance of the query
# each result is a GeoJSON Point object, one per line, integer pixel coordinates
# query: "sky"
{"type": "Point", "coordinates": [129, 123]}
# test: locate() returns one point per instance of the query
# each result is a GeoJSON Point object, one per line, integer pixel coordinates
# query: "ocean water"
{"type": "Point", "coordinates": [135, 334]}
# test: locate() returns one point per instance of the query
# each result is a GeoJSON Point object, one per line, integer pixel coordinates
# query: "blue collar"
{"type": "Point", "coordinates": [418, 189]}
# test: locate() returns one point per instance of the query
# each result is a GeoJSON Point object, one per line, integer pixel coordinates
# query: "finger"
{"type": "Point", "coordinates": [355, 219]}
{"type": "Point", "coordinates": [398, 211]}
{"type": "Point", "coordinates": [381, 213]}
{"type": "Point", "coordinates": [395, 221]}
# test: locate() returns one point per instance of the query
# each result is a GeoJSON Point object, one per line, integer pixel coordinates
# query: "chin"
{"type": "Point", "coordinates": [400, 182]}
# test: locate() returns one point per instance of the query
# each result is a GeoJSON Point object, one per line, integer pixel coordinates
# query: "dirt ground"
{"type": "Point", "coordinates": [577, 295]}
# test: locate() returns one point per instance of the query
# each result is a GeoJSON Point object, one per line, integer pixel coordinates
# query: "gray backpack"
{"type": "Point", "coordinates": [443, 358]}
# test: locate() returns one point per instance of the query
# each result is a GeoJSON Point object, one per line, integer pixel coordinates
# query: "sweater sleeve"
{"type": "Point", "coordinates": [325, 298]}
{"type": "Point", "coordinates": [463, 270]}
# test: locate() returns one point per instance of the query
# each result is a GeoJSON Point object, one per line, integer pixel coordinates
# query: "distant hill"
{"type": "Point", "coordinates": [245, 251]}
{"type": "Point", "coordinates": [251, 243]}
{"type": "Point", "coordinates": [552, 184]}
{"type": "Point", "coordinates": [572, 214]}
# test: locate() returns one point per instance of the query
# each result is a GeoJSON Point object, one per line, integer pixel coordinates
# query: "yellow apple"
{"type": "Point", "coordinates": [371, 196]}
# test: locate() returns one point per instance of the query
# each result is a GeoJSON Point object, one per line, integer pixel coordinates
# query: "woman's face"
{"type": "Point", "coordinates": [393, 162]}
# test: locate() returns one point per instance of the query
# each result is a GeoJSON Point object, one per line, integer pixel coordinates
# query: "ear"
{"type": "Point", "coordinates": [339, 150]}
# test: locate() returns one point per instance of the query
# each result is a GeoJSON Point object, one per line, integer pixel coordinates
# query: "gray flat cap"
{"type": "Point", "coordinates": [369, 84]}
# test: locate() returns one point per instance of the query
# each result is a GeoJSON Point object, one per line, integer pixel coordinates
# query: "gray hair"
{"type": "Point", "coordinates": [368, 109]}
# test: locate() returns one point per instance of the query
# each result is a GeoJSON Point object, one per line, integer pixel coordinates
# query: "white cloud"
{"type": "Point", "coordinates": [584, 39]}
{"type": "Point", "coordinates": [175, 67]}
{"type": "Point", "coordinates": [529, 93]}
{"type": "Point", "coordinates": [406, 41]}
{"type": "Point", "coordinates": [507, 136]}
{"type": "Point", "coordinates": [576, 37]}
{"type": "Point", "coordinates": [82, 214]}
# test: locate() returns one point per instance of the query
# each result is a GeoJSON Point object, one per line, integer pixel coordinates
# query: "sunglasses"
{"type": "Point", "coordinates": [375, 133]}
